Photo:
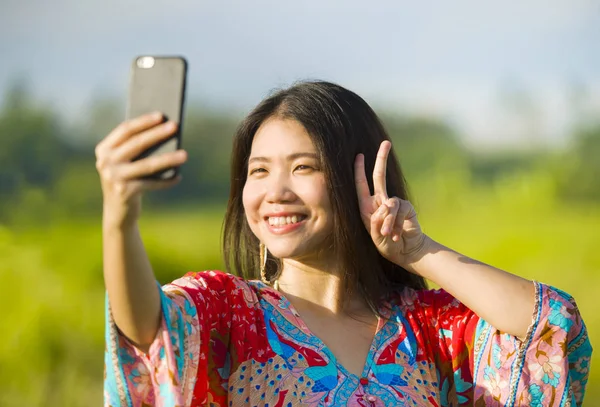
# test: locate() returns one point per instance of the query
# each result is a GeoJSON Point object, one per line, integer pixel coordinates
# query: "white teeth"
{"type": "Point", "coordinates": [284, 220]}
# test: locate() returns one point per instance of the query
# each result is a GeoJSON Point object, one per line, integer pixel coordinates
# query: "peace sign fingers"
{"type": "Point", "coordinates": [391, 222]}
{"type": "Point", "coordinates": [379, 171]}
{"type": "Point", "coordinates": [360, 179]}
{"type": "Point", "coordinates": [379, 179]}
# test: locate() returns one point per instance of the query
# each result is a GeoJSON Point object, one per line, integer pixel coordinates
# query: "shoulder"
{"type": "Point", "coordinates": [435, 309]}
{"type": "Point", "coordinates": [208, 278]}
{"type": "Point", "coordinates": [213, 285]}
{"type": "Point", "coordinates": [430, 300]}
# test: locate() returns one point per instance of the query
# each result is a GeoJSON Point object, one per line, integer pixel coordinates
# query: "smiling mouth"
{"type": "Point", "coordinates": [285, 220]}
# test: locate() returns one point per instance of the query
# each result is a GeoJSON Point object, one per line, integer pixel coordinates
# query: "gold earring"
{"type": "Point", "coordinates": [263, 263]}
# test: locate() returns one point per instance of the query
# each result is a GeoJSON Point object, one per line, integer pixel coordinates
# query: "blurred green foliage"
{"type": "Point", "coordinates": [533, 212]}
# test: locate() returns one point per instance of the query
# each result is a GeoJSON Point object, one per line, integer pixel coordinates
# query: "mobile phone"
{"type": "Point", "coordinates": [157, 83]}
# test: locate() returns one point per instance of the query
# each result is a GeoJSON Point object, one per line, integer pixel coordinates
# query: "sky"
{"type": "Point", "coordinates": [500, 71]}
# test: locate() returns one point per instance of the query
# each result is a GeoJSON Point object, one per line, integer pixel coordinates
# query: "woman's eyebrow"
{"type": "Point", "coordinates": [290, 157]}
{"type": "Point", "coordinates": [302, 155]}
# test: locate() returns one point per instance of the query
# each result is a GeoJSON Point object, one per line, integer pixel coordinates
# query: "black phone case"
{"type": "Point", "coordinates": [158, 83]}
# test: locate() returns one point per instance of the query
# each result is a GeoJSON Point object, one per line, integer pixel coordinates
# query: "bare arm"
{"type": "Point", "coordinates": [504, 300]}
{"type": "Point", "coordinates": [128, 275]}
{"type": "Point", "coordinates": [131, 285]}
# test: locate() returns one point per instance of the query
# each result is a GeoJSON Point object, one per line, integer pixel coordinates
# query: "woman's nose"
{"type": "Point", "coordinates": [279, 190]}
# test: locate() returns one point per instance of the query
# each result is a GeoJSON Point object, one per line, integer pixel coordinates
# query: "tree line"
{"type": "Point", "coordinates": [47, 166]}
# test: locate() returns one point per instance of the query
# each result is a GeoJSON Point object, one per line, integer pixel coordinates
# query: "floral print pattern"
{"type": "Point", "coordinates": [224, 341]}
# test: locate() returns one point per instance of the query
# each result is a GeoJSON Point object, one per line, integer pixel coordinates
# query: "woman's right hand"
{"type": "Point", "coordinates": [121, 177]}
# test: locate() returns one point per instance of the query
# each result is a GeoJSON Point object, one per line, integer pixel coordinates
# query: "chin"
{"type": "Point", "coordinates": [298, 253]}
{"type": "Point", "coordinates": [286, 253]}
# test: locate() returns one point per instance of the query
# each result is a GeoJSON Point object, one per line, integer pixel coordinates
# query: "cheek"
{"type": "Point", "coordinates": [318, 194]}
{"type": "Point", "coordinates": [250, 201]}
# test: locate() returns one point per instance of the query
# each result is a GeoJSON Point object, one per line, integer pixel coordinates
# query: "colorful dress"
{"type": "Point", "coordinates": [224, 341]}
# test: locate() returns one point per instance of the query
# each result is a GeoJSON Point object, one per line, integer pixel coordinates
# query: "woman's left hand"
{"type": "Point", "coordinates": [391, 222]}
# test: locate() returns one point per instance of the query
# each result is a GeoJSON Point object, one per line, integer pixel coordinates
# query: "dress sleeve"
{"type": "Point", "coordinates": [166, 375]}
{"type": "Point", "coordinates": [478, 365]}
{"type": "Point", "coordinates": [550, 367]}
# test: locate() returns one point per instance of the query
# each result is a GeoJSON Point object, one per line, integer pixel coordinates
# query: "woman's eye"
{"type": "Point", "coordinates": [257, 170]}
{"type": "Point", "coordinates": [304, 168]}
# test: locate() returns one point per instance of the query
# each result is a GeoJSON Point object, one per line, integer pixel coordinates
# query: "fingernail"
{"type": "Point", "coordinates": [157, 115]}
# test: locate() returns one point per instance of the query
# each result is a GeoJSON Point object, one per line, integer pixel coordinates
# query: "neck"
{"type": "Point", "coordinates": [319, 288]}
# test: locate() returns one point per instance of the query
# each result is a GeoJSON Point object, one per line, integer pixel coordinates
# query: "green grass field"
{"type": "Point", "coordinates": [52, 294]}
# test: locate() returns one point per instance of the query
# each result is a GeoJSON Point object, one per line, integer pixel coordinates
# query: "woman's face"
{"type": "Point", "coordinates": [285, 196]}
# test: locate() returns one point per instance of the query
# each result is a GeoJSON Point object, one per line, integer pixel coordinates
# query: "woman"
{"type": "Point", "coordinates": [332, 307]}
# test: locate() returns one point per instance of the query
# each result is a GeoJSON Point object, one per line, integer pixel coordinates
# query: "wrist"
{"type": "Point", "coordinates": [116, 223]}
{"type": "Point", "coordinates": [416, 261]}
{"type": "Point", "coordinates": [121, 213]}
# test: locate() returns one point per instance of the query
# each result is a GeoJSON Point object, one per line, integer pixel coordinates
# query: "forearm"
{"type": "Point", "coordinates": [504, 300]}
{"type": "Point", "coordinates": [130, 283]}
